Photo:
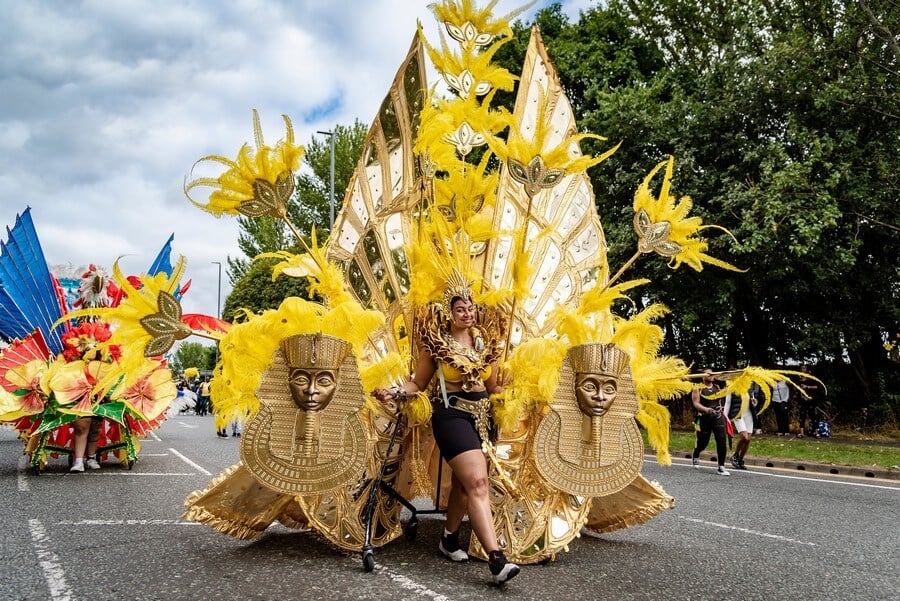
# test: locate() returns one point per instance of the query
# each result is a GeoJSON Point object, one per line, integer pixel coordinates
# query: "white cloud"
{"type": "Point", "coordinates": [107, 105]}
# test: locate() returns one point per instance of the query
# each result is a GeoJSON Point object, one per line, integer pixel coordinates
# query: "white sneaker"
{"type": "Point", "coordinates": [92, 464]}
{"type": "Point", "coordinates": [77, 466]}
{"type": "Point", "coordinates": [722, 471]}
{"type": "Point", "coordinates": [449, 548]}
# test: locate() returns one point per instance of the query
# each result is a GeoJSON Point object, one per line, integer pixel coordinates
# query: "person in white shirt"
{"type": "Point", "coordinates": [781, 396]}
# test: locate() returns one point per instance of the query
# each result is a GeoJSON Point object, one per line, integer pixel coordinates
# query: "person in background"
{"type": "Point", "coordinates": [203, 397]}
{"type": "Point", "coordinates": [87, 433]}
{"type": "Point", "coordinates": [743, 424]}
{"type": "Point", "coordinates": [808, 405]}
{"type": "Point", "coordinates": [710, 421]}
{"type": "Point", "coordinates": [755, 406]}
{"type": "Point", "coordinates": [781, 396]}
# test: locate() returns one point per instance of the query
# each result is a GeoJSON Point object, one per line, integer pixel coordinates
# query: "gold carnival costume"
{"type": "Point", "coordinates": [517, 231]}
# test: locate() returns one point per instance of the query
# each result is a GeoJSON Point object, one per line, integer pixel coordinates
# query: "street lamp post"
{"type": "Point", "coordinates": [219, 291]}
{"type": "Point", "coordinates": [330, 134]}
{"type": "Point", "coordinates": [218, 302]}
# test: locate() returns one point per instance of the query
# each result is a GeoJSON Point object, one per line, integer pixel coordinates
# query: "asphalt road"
{"type": "Point", "coordinates": [116, 534]}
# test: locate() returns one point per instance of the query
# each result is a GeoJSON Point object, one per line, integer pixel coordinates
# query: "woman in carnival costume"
{"type": "Point", "coordinates": [461, 343]}
{"type": "Point", "coordinates": [501, 274]}
{"type": "Point", "coordinates": [66, 384]}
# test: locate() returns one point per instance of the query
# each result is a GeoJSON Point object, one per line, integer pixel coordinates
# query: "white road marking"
{"type": "Point", "coordinates": [808, 477]}
{"type": "Point", "coordinates": [126, 523]}
{"type": "Point", "coordinates": [154, 436]}
{"type": "Point", "coordinates": [190, 463]}
{"type": "Point", "coordinates": [21, 476]}
{"type": "Point", "coordinates": [117, 473]}
{"type": "Point", "coordinates": [184, 425]}
{"type": "Point", "coordinates": [748, 531]}
{"type": "Point", "coordinates": [49, 562]}
{"type": "Point", "coordinates": [154, 455]}
{"type": "Point", "coordinates": [813, 478]}
{"type": "Point", "coordinates": [403, 581]}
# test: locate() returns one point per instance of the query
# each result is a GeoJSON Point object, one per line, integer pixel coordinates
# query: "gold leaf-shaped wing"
{"type": "Point", "coordinates": [570, 255]}
{"type": "Point", "coordinates": [373, 226]}
{"type": "Point", "coordinates": [164, 326]}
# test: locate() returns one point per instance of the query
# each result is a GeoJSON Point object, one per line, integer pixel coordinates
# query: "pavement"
{"type": "Point", "coordinates": [808, 466]}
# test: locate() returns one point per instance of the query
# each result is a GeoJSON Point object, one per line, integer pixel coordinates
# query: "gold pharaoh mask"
{"type": "Point", "coordinates": [591, 456]}
{"type": "Point", "coordinates": [299, 452]}
{"type": "Point", "coordinates": [603, 359]}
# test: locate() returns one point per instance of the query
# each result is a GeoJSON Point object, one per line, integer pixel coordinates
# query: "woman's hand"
{"type": "Point", "coordinates": [387, 394]}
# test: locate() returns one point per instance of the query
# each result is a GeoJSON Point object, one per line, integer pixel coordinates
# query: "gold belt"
{"type": "Point", "coordinates": [475, 407]}
{"type": "Point", "coordinates": [480, 410]}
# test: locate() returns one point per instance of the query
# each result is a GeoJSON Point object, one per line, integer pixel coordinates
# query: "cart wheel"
{"type": "Point", "coordinates": [411, 528]}
{"type": "Point", "coordinates": [368, 559]}
{"type": "Point", "coordinates": [70, 458]}
{"type": "Point", "coordinates": [34, 470]}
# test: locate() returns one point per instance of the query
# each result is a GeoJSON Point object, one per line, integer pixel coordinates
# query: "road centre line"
{"type": "Point", "coordinates": [826, 480]}
{"type": "Point", "coordinates": [405, 582]}
{"type": "Point", "coordinates": [21, 475]}
{"type": "Point", "coordinates": [189, 462]}
{"type": "Point", "coordinates": [116, 473]}
{"type": "Point", "coordinates": [49, 562]}
{"type": "Point", "coordinates": [748, 531]}
{"type": "Point", "coordinates": [126, 523]}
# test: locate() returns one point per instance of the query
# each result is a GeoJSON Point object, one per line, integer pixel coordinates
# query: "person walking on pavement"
{"type": "Point", "coordinates": [710, 421]}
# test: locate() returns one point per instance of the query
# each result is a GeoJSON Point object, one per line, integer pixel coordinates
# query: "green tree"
{"type": "Point", "coordinates": [783, 119]}
{"type": "Point", "coordinates": [189, 354]}
{"type": "Point", "coordinates": [256, 291]}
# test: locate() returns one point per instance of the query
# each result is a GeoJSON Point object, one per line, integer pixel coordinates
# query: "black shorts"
{"type": "Point", "coordinates": [454, 430]}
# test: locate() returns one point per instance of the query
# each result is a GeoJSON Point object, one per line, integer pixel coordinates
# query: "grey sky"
{"type": "Point", "coordinates": [105, 105]}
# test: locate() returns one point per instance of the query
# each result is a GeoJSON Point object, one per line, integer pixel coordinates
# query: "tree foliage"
{"type": "Point", "coordinates": [192, 354]}
{"type": "Point", "coordinates": [256, 291]}
{"type": "Point", "coordinates": [783, 118]}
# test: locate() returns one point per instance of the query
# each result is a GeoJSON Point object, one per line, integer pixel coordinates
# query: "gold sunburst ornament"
{"type": "Point", "coordinates": [164, 326]}
{"type": "Point", "coordinates": [664, 227]}
{"type": "Point", "coordinates": [535, 176]}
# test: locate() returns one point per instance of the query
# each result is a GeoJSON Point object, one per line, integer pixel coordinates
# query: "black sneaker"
{"type": "Point", "coordinates": [449, 547]}
{"type": "Point", "coordinates": [735, 462]}
{"type": "Point", "coordinates": [741, 465]}
{"type": "Point", "coordinates": [501, 569]}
